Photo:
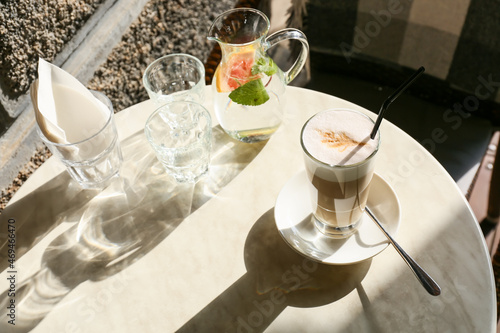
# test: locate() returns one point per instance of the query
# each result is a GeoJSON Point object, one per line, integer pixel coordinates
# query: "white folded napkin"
{"type": "Point", "coordinates": [68, 112]}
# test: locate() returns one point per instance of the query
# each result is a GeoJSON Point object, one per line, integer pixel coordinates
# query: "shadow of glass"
{"type": "Point", "coordinates": [116, 227]}
{"type": "Point", "coordinates": [276, 277]}
{"type": "Point", "coordinates": [40, 211]}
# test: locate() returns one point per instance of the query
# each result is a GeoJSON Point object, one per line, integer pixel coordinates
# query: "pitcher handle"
{"type": "Point", "coordinates": [290, 33]}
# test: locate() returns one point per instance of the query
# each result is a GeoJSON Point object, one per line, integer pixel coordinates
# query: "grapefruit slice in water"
{"type": "Point", "coordinates": [236, 71]}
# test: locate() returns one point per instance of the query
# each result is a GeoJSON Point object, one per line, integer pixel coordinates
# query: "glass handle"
{"type": "Point", "coordinates": [291, 33]}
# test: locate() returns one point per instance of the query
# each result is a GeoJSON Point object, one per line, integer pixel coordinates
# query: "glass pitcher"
{"type": "Point", "coordinates": [248, 87]}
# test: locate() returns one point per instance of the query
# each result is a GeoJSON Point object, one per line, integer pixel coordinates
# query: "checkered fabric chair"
{"type": "Point", "coordinates": [362, 49]}
{"type": "Point", "coordinates": [456, 40]}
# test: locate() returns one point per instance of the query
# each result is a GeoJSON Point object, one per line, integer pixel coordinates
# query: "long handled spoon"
{"type": "Point", "coordinates": [429, 284]}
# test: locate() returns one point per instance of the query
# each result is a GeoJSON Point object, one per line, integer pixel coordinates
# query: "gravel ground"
{"type": "Point", "coordinates": [163, 27]}
{"type": "Point", "coordinates": [30, 29]}
{"type": "Point", "coordinates": [36, 160]}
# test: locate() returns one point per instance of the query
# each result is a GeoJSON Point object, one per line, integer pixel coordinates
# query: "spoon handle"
{"type": "Point", "coordinates": [429, 284]}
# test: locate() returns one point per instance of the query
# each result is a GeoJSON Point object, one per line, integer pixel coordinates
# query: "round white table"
{"type": "Point", "coordinates": [149, 255]}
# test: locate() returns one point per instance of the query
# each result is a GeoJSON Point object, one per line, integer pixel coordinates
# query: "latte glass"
{"type": "Point", "coordinates": [339, 191]}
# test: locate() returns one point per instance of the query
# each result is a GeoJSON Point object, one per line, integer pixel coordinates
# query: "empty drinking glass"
{"type": "Point", "coordinates": [175, 77]}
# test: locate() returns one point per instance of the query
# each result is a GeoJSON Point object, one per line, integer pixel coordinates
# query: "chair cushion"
{"type": "Point", "coordinates": [456, 41]}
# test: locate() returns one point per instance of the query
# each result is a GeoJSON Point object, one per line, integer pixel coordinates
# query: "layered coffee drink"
{"type": "Point", "coordinates": [339, 160]}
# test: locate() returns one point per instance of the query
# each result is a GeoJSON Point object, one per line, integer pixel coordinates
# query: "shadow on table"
{"type": "Point", "coordinates": [116, 226]}
{"type": "Point", "coordinates": [39, 212]}
{"type": "Point", "coordinates": [276, 277]}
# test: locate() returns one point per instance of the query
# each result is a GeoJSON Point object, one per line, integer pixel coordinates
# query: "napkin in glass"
{"type": "Point", "coordinates": [67, 112]}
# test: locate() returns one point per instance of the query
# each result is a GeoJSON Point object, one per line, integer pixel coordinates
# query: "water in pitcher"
{"type": "Point", "coordinates": [252, 123]}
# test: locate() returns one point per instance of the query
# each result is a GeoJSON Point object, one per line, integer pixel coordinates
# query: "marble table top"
{"type": "Point", "coordinates": [149, 255]}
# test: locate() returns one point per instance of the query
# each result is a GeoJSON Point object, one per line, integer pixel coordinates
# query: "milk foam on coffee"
{"type": "Point", "coordinates": [339, 137]}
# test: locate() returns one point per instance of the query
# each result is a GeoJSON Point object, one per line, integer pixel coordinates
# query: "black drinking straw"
{"type": "Point", "coordinates": [391, 99]}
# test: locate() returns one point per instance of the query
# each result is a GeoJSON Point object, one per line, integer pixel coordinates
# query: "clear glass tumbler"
{"type": "Point", "coordinates": [175, 77]}
{"type": "Point", "coordinates": [92, 162]}
{"type": "Point", "coordinates": [181, 135]}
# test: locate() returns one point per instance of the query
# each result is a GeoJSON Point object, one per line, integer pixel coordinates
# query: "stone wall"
{"type": "Point", "coordinates": [29, 30]}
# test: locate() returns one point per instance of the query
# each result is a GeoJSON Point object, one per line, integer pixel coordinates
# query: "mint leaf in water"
{"type": "Point", "coordinates": [252, 93]}
{"type": "Point", "coordinates": [266, 66]}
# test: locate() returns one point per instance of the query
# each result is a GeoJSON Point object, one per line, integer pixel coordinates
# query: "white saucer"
{"type": "Point", "coordinates": [293, 219]}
